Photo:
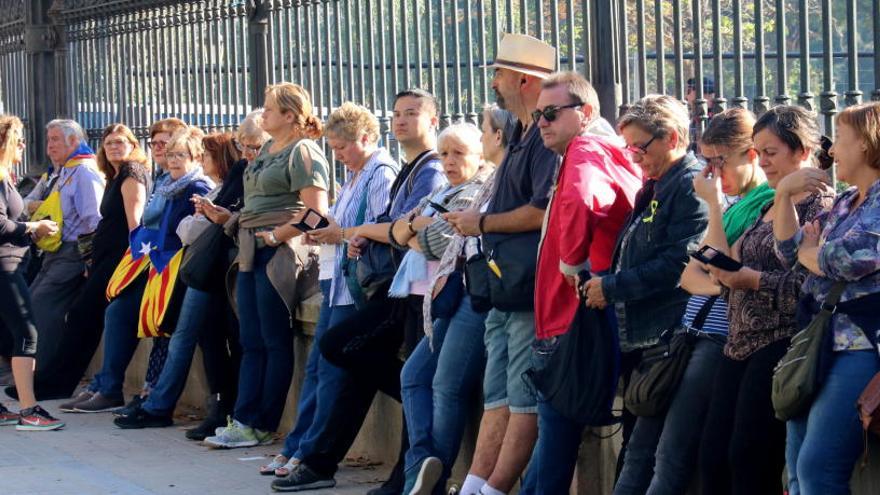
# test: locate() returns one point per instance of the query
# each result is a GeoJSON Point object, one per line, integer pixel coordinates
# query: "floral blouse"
{"type": "Point", "coordinates": [761, 317]}
{"type": "Point", "coordinates": [850, 251]}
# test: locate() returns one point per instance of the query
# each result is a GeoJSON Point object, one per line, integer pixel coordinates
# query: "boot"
{"type": "Point", "coordinates": [218, 410]}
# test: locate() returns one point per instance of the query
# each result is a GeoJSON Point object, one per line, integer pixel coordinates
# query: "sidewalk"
{"type": "Point", "coordinates": [91, 456]}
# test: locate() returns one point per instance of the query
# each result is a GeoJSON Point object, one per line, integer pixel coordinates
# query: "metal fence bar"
{"type": "Point", "coordinates": [828, 97]}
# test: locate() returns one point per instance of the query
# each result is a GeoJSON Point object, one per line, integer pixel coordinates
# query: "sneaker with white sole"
{"type": "Point", "coordinates": [302, 478]}
{"type": "Point", "coordinates": [7, 417]}
{"type": "Point", "coordinates": [37, 419]}
{"type": "Point", "coordinates": [429, 474]}
{"type": "Point", "coordinates": [234, 436]}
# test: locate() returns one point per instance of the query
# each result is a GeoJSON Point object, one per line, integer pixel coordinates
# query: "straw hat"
{"type": "Point", "coordinates": [523, 53]}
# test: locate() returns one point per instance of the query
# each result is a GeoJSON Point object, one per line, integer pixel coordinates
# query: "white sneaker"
{"type": "Point", "coordinates": [234, 436]}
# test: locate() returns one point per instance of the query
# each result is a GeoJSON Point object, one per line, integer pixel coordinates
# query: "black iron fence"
{"type": "Point", "coordinates": [208, 61]}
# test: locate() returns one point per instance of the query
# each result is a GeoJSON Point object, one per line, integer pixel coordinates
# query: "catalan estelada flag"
{"type": "Point", "coordinates": [134, 262]}
{"type": "Point", "coordinates": [161, 281]}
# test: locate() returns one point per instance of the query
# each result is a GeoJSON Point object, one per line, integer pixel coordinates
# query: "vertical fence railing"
{"type": "Point", "coordinates": [819, 51]}
{"type": "Point", "coordinates": [14, 90]}
{"type": "Point", "coordinates": [186, 60]}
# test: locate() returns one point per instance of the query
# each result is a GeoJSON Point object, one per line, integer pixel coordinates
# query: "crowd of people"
{"type": "Point", "coordinates": [479, 269]}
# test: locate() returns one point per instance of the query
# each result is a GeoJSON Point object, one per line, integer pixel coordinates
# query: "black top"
{"type": "Point", "coordinates": [111, 236]}
{"type": "Point", "coordinates": [14, 240]}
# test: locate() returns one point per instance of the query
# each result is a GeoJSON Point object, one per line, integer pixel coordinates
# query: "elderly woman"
{"type": "Point", "coordinates": [842, 248]}
{"type": "Point", "coordinates": [222, 165]}
{"type": "Point", "coordinates": [290, 174]}
{"type": "Point", "coordinates": [662, 451]}
{"type": "Point", "coordinates": [124, 165]}
{"type": "Point", "coordinates": [668, 220]}
{"type": "Point", "coordinates": [439, 380]}
{"type": "Point", "coordinates": [742, 446]}
{"type": "Point", "coordinates": [15, 302]}
{"type": "Point", "coordinates": [250, 136]}
{"type": "Point", "coordinates": [155, 245]}
{"type": "Point", "coordinates": [352, 132]}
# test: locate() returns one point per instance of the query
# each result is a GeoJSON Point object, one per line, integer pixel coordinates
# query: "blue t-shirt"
{"type": "Point", "coordinates": [417, 185]}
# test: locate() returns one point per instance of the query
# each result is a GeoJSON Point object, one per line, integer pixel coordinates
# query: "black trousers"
{"type": "Point", "coordinates": [221, 351]}
{"type": "Point", "coordinates": [85, 325]}
{"type": "Point", "coordinates": [368, 346]}
{"type": "Point", "coordinates": [742, 450]}
{"type": "Point", "coordinates": [17, 315]}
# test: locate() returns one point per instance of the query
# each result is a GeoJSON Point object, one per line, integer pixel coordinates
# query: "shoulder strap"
{"type": "Point", "coordinates": [833, 298]}
{"type": "Point", "coordinates": [703, 313]}
{"type": "Point", "coordinates": [362, 208]}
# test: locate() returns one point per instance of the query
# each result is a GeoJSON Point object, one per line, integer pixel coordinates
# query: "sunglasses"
{"type": "Point", "coordinates": [551, 112]}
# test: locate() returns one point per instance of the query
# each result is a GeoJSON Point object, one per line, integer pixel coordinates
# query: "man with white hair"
{"type": "Point", "coordinates": [73, 202]}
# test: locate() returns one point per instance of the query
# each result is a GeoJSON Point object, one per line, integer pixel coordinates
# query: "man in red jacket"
{"type": "Point", "coordinates": [592, 197]}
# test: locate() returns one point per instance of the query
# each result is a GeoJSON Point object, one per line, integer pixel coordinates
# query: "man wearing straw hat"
{"type": "Point", "coordinates": [510, 229]}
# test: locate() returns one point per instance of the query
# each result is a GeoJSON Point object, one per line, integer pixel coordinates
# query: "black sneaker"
{"type": "Point", "coordinates": [302, 478]}
{"type": "Point", "coordinates": [142, 419]}
{"type": "Point", "coordinates": [131, 407]}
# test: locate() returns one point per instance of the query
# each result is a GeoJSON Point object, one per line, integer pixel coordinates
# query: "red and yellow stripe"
{"type": "Point", "coordinates": [157, 298]}
{"type": "Point", "coordinates": [126, 271]}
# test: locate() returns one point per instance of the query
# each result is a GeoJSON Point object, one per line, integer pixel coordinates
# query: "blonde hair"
{"type": "Point", "coordinates": [190, 138]}
{"type": "Point", "coordinates": [169, 125]}
{"type": "Point", "coordinates": [295, 99]}
{"type": "Point", "coordinates": [136, 155]}
{"type": "Point", "coordinates": [351, 121]}
{"type": "Point", "coordinates": [659, 115]}
{"type": "Point", "coordinates": [865, 119]}
{"type": "Point", "coordinates": [10, 126]}
{"type": "Point", "coordinates": [252, 127]}
{"type": "Point", "coordinates": [465, 133]}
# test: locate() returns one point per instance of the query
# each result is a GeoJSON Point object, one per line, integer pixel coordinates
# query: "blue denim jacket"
{"type": "Point", "coordinates": [645, 282]}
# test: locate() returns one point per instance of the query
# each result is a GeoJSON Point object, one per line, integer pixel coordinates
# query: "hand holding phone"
{"type": "Point", "coordinates": [714, 257]}
{"type": "Point", "coordinates": [438, 207]}
{"type": "Point", "coordinates": [311, 220]}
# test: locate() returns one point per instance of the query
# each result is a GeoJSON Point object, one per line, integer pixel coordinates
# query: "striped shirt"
{"type": "Point", "coordinates": [716, 320]}
{"type": "Point", "coordinates": [379, 172]}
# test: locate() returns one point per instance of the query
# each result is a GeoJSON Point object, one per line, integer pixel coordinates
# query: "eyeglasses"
{"type": "Point", "coordinates": [178, 155]}
{"type": "Point", "coordinates": [158, 144]}
{"type": "Point", "coordinates": [551, 112]}
{"type": "Point", "coordinates": [636, 149]}
{"type": "Point", "coordinates": [718, 162]}
{"type": "Point", "coordinates": [253, 148]}
{"type": "Point", "coordinates": [115, 142]}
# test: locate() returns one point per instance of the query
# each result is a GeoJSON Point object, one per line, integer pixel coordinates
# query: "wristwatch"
{"type": "Point", "coordinates": [273, 241]}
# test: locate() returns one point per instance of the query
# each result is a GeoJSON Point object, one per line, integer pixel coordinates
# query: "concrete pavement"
{"type": "Point", "coordinates": [91, 456]}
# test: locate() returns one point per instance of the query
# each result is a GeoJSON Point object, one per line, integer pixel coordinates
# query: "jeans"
{"type": "Point", "coordinates": [162, 399]}
{"type": "Point", "coordinates": [662, 450]}
{"type": "Point", "coordinates": [120, 339]}
{"type": "Point", "coordinates": [742, 450]}
{"type": "Point", "coordinates": [320, 383]}
{"type": "Point", "coordinates": [439, 387]}
{"type": "Point", "coordinates": [823, 446]}
{"type": "Point", "coordinates": [267, 348]}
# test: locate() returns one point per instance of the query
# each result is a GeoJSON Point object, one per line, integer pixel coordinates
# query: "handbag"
{"type": "Point", "coordinates": [798, 376]}
{"type": "Point", "coordinates": [580, 378]}
{"type": "Point", "coordinates": [869, 406]}
{"type": "Point", "coordinates": [203, 262]}
{"type": "Point", "coordinates": [476, 278]}
{"type": "Point", "coordinates": [661, 368]}
{"type": "Point", "coordinates": [50, 209]}
{"type": "Point", "coordinates": [513, 264]}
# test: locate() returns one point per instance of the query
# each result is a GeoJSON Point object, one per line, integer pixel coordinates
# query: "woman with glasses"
{"type": "Point", "coordinates": [669, 443]}
{"type": "Point", "coordinates": [250, 136]}
{"type": "Point", "coordinates": [16, 311]}
{"type": "Point", "coordinates": [668, 221]}
{"type": "Point", "coordinates": [742, 446]}
{"type": "Point", "coordinates": [289, 176]}
{"type": "Point", "coordinates": [154, 247]}
{"type": "Point", "coordinates": [124, 165]}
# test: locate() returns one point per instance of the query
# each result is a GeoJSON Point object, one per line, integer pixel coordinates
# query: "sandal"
{"type": "Point", "coordinates": [277, 463]}
{"type": "Point", "coordinates": [286, 469]}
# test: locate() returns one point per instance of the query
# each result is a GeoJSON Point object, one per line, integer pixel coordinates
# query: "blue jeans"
{"type": "Point", "coordinates": [438, 388]}
{"type": "Point", "coordinates": [662, 451]}
{"type": "Point", "coordinates": [320, 383]}
{"type": "Point", "coordinates": [266, 347]}
{"type": "Point", "coordinates": [823, 446]}
{"type": "Point", "coordinates": [120, 339]}
{"type": "Point", "coordinates": [168, 388]}
{"type": "Point", "coordinates": [509, 337]}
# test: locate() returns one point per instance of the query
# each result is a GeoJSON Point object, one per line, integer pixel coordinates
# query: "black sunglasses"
{"type": "Point", "coordinates": [550, 112]}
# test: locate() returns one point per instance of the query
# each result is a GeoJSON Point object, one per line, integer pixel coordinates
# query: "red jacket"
{"type": "Point", "coordinates": [592, 198]}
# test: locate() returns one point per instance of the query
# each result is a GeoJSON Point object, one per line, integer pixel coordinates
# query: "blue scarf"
{"type": "Point", "coordinates": [167, 191]}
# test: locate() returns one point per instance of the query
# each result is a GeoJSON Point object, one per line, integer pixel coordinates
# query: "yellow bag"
{"type": "Point", "coordinates": [50, 209]}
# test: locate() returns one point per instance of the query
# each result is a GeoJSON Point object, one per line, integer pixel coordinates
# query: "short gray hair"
{"type": "Point", "coordinates": [68, 128]}
{"type": "Point", "coordinates": [252, 127]}
{"type": "Point", "coordinates": [466, 133]}
{"type": "Point", "coordinates": [659, 115]}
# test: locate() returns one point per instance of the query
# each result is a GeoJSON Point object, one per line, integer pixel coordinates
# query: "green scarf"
{"type": "Point", "coordinates": [741, 215]}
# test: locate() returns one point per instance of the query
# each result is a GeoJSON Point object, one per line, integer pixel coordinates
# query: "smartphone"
{"type": "Point", "coordinates": [714, 257]}
{"type": "Point", "coordinates": [437, 206]}
{"type": "Point", "coordinates": [311, 220]}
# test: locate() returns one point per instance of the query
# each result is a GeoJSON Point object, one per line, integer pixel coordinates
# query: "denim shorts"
{"type": "Point", "coordinates": [509, 338]}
